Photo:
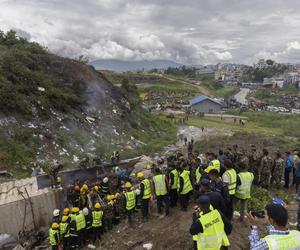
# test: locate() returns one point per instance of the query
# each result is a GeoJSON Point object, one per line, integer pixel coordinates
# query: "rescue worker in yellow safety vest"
{"type": "Point", "coordinates": [97, 215]}
{"type": "Point", "coordinates": [130, 198]}
{"type": "Point", "coordinates": [230, 179]}
{"type": "Point", "coordinates": [174, 182]}
{"type": "Point", "coordinates": [185, 187]}
{"type": "Point", "coordinates": [77, 226]}
{"type": "Point", "coordinates": [54, 237]}
{"type": "Point", "coordinates": [211, 227]}
{"type": "Point", "coordinates": [243, 190]}
{"type": "Point", "coordinates": [279, 237]}
{"type": "Point", "coordinates": [198, 172]}
{"type": "Point", "coordinates": [145, 195]}
{"type": "Point", "coordinates": [160, 184]}
{"type": "Point", "coordinates": [213, 164]}
{"type": "Point", "coordinates": [65, 231]}
{"type": "Point", "coordinates": [73, 241]}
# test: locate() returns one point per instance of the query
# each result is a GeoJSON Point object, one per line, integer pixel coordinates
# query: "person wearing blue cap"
{"type": "Point", "coordinates": [210, 227]}
{"type": "Point", "coordinates": [216, 199]}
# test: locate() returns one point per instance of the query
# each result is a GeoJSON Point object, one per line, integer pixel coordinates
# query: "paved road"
{"type": "Point", "coordinates": [241, 96]}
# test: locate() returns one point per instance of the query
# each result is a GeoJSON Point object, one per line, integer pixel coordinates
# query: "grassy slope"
{"type": "Point", "coordinates": [283, 128]}
{"type": "Point", "coordinates": [273, 97]}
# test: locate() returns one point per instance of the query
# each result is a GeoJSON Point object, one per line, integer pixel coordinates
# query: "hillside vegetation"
{"type": "Point", "coordinates": [57, 109]}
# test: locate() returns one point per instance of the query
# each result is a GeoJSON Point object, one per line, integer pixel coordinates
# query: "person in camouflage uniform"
{"type": "Point", "coordinates": [265, 169]}
{"type": "Point", "coordinates": [254, 163]}
{"type": "Point", "coordinates": [278, 170]}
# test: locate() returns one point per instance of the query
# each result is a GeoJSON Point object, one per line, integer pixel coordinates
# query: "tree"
{"type": "Point", "coordinates": [270, 62]}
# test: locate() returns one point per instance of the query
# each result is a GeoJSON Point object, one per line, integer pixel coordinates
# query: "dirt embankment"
{"type": "Point", "coordinates": [168, 233]}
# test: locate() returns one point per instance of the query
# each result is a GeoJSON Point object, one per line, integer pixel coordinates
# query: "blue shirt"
{"type": "Point", "coordinates": [289, 162]}
{"type": "Point", "coordinates": [260, 244]}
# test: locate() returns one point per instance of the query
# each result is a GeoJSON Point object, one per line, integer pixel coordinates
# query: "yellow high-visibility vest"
{"type": "Point", "coordinates": [198, 175]}
{"type": "Point", "coordinates": [147, 189]}
{"type": "Point", "coordinates": [243, 191]}
{"type": "Point", "coordinates": [187, 185]}
{"type": "Point", "coordinates": [130, 200]}
{"type": "Point", "coordinates": [80, 221]}
{"type": "Point", "coordinates": [288, 241]}
{"type": "Point", "coordinates": [64, 231]}
{"type": "Point", "coordinates": [176, 179]}
{"type": "Point", "coordinates": [53, 236]}
{"type": "Point", "coordinates": [160, 184]}
{"type": "Point", "coordinates": [216, 164]}
{"type": "Point", "coordinates": [97, 218]}
{"type": "Point", "coordinates": [213, 236]}
{"type": "Point", "coordinates": [232, 180]}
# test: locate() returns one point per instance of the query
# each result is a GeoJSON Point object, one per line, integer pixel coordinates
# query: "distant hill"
{"type": "Point", "coordinates": [121, 66]}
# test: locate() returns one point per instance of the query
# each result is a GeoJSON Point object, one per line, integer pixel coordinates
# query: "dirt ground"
{"type": "Point", "coordinates": [168, 233]}
{"type": "Point", "coordinates": [173, 232]}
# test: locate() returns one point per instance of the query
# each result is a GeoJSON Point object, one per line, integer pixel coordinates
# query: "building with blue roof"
{"type": "Point", "coordinates": [205, 104]}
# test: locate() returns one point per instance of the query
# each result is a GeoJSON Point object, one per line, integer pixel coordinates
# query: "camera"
{"type": "Point", "coordinates": [258, 214]}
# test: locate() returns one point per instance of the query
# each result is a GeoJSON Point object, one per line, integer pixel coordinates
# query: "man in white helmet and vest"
{"type": "Point", "coordinates": [279, 237]}
{"type": "Point", "coordinates": [211, 227]}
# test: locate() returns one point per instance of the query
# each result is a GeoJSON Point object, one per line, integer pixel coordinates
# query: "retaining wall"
{"type": "Point", "coordinates": [13, 215]}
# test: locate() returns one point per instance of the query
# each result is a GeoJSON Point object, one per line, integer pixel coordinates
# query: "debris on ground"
{"type": "Point", "coordinates": [148, 246]}
{"type": "Point", "coordinates": [7, 242]}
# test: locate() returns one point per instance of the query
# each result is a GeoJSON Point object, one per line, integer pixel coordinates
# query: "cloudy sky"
{"type": "Point", "coordinates": [191, 32]}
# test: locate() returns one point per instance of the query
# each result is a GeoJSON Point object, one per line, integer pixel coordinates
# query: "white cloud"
{"type": "Point", "coordinates": [223, 55]}
{"type": "Point", "coordinates": [186, 31]}
{"type": "Point", "coordinates": [293, 46]}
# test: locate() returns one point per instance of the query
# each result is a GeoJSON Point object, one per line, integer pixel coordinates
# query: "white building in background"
{"type": "Point", "coordinates": [292, 77]}
{"type": "Point", "coordinates": [261, 64]}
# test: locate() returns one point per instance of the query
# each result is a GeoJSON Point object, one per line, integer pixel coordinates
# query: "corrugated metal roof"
{"type": "Point", "coordinates": [202, 98]}
{"type": "Point", "coordinates": [9, 190]}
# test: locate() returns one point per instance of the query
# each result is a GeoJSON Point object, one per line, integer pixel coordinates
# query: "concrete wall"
{"type": "Point", "coordinates": [207, 106]}
{"type": "Point", "coordinates": [12, 214]}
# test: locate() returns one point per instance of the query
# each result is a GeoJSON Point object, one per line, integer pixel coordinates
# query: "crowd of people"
{"type": "Point", "coordinates": [216, 182]}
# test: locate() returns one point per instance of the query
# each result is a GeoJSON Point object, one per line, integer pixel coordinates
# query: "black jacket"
{"type": "Point", "coordinates": [197, 227]}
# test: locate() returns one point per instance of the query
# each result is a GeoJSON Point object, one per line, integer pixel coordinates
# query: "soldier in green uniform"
{"type": "Point", "coordinates": [278, 170]}
{"type": "Point", "coordinates": [265, 169]}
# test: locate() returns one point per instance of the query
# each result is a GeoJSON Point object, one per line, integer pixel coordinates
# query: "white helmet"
{"type": "Point", "coordinates": [85, 211]}
{"type": "Point", "coordinates": [56, 212]}
{"type": "Point", "coordinates": [105, 180]}
{"type": "Point", "coordinates": [137, 192]}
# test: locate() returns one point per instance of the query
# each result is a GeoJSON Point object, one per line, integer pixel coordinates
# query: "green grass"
{"type": "Point", "coordinates": [282, 128]}
{"type": "Point", "coordinates": [162, 133]}
{"type": "Point", "coordinates": [273, 96]}
{"type": "Point", "coordinates": [226, 91]}
{"type": "Point", "coordinates": [168, 86]}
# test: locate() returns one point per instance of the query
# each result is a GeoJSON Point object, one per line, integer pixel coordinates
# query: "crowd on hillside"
{"type": "Point", "coordinates": [216, 182]}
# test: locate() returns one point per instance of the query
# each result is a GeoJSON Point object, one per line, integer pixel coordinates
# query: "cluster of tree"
{"type": "Point", "coordinates": [182, 71]}
{"type": "Point", "coordinates": [26, 81]}
{"type": "Point", "coordinates": [253, 74]}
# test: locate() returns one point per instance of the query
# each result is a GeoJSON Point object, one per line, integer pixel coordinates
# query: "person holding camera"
{"type": "Point", "coordinates": [279, 237]}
